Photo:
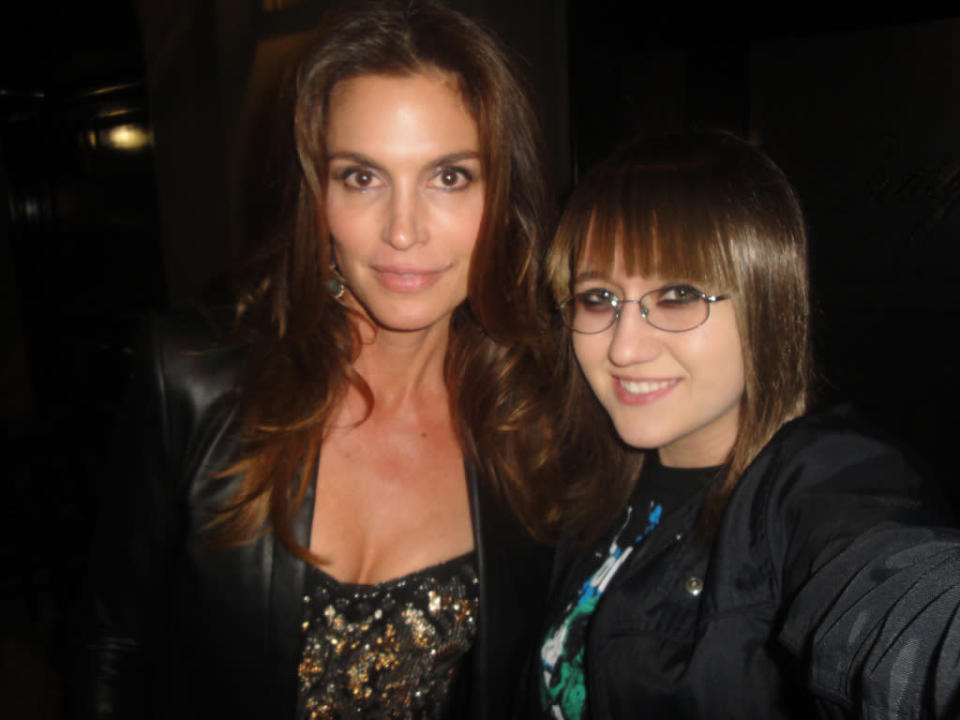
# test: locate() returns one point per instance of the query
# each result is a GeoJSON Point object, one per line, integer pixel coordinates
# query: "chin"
{"type": "Point", "coordinates": [412, 321]}
{"type": "Point", "coordinates": [637, 439]}
{"type": "Point", "coordinates": [651, 433]}
{"type": "Point", "coordinates": [401, 314]}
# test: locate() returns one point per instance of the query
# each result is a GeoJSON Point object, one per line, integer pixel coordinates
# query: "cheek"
{"type": "Point", "coordinates": [722, 351]}
{"type": "Point", "coordinates": [352, 214]}
{"type": "Point", "coordinates": [337, 222]}
{"type": "Point", "coordinates": [342, 222]}
{"type": "Point", "coordinates": [591, 353]}
{"type": "Point", "coordinates": [730, 374]}
{"type": "Point", "coordinates": [458, 218]}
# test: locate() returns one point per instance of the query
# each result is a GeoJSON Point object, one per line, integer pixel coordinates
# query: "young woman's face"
{"type": "Point", "coordinates": [405, 196]}
{"type": "Point", "coordinates": [678, 393]}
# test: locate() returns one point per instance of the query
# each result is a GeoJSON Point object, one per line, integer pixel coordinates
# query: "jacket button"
{"type": "Point", "coordinates": [693, 586]}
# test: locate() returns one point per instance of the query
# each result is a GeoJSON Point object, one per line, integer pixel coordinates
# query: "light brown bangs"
{"type": "Point", "coordinates": [662, 231]}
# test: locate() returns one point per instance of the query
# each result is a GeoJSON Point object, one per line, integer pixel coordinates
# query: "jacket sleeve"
{"type": "Point", "coordinates": [127, 591]}
{"type": "Point", "coordinates": [871, 579]}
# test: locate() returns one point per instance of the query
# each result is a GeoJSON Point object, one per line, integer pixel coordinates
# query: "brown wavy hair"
{"type": "Point", "coordinates": [304, 343]}
{"type": "Point", "coordinates": [714, 210]}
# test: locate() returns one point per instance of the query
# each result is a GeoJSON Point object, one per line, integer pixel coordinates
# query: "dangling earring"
{"type": "Point", "coordinates": [335, 282]}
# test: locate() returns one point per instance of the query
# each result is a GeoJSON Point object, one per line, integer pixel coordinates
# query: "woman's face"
{"type": "Point", "coordinates": [405, 196]}
{"type": "Point", "coordinates": [678, 393]}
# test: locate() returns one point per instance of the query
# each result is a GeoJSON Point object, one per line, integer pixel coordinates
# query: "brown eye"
{"type": "Point", "coordinates": [362, 178]}
{"type": "Point", "coordinates": [452, 178]}
{"type": "Point", "coordinates": [678, 295]}
{"type": "Point", "coordinates": [596, 300]}
{"type": "Point", "coordinates": [357, 178]}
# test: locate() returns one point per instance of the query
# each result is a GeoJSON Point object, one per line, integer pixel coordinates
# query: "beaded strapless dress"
{"type": "Point", "coordinates": [390, 650]}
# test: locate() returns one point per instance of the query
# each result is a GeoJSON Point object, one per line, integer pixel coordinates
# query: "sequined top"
{"type": "Point", "coordinates": [390, 650]}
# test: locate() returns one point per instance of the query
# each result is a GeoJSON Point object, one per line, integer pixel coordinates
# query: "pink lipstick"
{"type": "Point", "coordinates": [632, 391]}
{"type": "Point", "coordinates": [406, 280]}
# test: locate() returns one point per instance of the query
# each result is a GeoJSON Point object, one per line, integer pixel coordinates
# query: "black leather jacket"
{"type": "Point", "coordinates": [827, 591]}
{"type": "Point", "coordinates": [184, 630]}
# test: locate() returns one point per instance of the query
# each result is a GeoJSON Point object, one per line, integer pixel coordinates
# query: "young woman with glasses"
{"type": "Point", "coordinates": [728, 555]}
{"type": "Point", "coordinates": [332, 516]}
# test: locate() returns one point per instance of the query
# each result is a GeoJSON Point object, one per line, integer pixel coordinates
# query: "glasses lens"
{"type": "Point", "coordinates": [676, 308]}
{"type": "Point", "coordinates": [591, 311]}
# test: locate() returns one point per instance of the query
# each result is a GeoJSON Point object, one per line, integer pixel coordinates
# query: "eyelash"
{"type": "Point", "coordinates": [461, 172]}
{"type": "Point", "coordinates": [344, 175]}
{"type": "Point", "coordinates": [686, 289]}
{"type": "Point", "coordinates": [464, 177]}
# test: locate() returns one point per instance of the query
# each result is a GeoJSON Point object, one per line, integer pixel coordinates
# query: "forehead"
{"type": "Point", "coordinates": [399, 115]}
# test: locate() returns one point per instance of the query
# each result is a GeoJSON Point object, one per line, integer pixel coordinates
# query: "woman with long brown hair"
{"type": "Point", "coordinates": [730, 554]}
{"type": "Point", "coordinates": [333, 516]}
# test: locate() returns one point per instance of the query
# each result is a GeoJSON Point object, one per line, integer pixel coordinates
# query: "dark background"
{"type": "Point", "coordinates": [859, 106]}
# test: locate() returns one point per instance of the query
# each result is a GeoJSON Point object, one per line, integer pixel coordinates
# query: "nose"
{"type": "Point", "coordinates": [404, 227]}
{"type": "Point", "coordinates": [634, 339]}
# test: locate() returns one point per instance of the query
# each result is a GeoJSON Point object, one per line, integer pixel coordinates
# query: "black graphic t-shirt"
{"type": "Point", "coordinates": [659, 490]}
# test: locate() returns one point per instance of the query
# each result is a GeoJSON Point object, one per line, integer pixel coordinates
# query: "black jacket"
{"type": "Point", "coordinates": [183, 630]}
{"type": "Point", "coordinates": [826, 591]}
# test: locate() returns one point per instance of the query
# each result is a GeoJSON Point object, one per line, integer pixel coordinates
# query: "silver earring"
{"type": "Point", "coordinates": [335, 285]}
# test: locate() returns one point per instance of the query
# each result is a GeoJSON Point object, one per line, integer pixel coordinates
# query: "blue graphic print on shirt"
{"type": "Point", "coordinates": [563, 690]}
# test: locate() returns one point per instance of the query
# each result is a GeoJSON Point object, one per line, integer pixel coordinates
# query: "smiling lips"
{"type": "Point", "coordinates": [641, 392]}
{"type": "Point", "coordinates": [406, 280]}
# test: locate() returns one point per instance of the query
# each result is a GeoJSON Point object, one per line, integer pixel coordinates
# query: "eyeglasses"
{"type": "Point", "coordinates": [673, 308]}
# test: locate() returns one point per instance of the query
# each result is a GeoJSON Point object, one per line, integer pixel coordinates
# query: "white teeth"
{"type": "Point", "coordinates": [642, 387]}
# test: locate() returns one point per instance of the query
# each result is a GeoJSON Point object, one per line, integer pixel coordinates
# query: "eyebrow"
{"type": "Point", "coordinates": [362, 159]}
{"type": "Point", "coordinates": [457, 157]}
{"type": "Point", "coordinates": [355, 157]}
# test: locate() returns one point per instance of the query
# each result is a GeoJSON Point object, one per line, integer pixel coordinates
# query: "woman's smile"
{"type": "Point", "coordinates": [640, 392]}
{"type": "Point", "coordinates": [406, 280]}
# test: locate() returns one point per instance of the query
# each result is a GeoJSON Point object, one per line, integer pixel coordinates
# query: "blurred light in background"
{"type": "Point", "coordinates": [129, 137]}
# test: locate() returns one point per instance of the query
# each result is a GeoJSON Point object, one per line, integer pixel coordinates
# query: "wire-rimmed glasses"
{"type": "Point", "coordinates": [672, 308]}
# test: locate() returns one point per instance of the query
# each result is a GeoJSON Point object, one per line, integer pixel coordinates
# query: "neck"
{"type": "Point", "coordinates": [403, 367]}
{"type": "Point", "coordinates": [700, 457]}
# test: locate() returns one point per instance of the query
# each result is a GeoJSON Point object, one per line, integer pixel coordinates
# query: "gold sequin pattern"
{"type": "Point", "coordinates": [390, 650]}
